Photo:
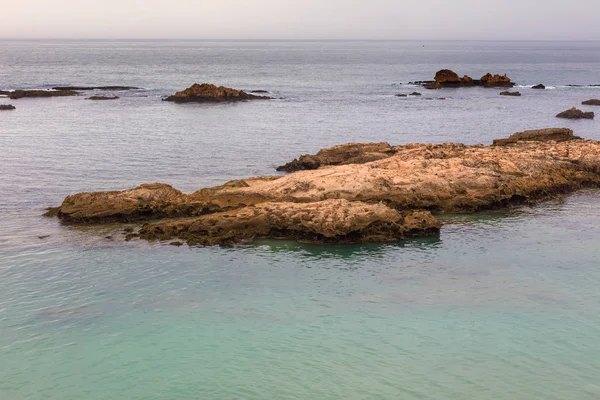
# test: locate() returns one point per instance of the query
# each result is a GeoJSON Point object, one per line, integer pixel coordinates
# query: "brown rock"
{"type": "Point", "coordinates": [328, 221]}
{"type": "Point", "coordinates": [211, 93]}
{"type": "Point", "coordinates": [350, 153]}
{"type": "Point", "coordinates": [507, 93]}
{"type": "Point", "coordinates": [103, 98]}
{"type": "Point", "coordinates": [467, 81]}
{"type": "Point", "coordinates": [447, 78]}
{"type": "Point", "coordinates": [18, 94]}
{"type": "Point", "coordinates": [539, 135]}
{"type": "Point", "coordinates": [6, 107]}
{"type": "Point", "coordinates": [574, 113]}
{"type": "Point", "coordinates": [592, 102]}
{"type": "Point", "coordinates": [489, 80]}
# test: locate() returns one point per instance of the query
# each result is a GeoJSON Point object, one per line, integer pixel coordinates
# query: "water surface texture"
{"type": "Point", "coordinates": [503, 305]}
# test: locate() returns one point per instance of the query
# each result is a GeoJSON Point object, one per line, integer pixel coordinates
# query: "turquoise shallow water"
{"type": "Point", "coordinates": [502, 305]}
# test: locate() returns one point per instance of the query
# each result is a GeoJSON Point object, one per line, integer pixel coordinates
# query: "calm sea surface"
{"type": "Point", "coordinates": [503, 305]}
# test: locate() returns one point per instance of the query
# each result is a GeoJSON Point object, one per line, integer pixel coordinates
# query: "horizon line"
{"type": "Point", "coordinates": [292, 40]}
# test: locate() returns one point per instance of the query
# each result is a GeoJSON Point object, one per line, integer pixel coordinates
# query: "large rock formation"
{"type": "Point", "coordinates": [446, 78]}
{"type": "Point", "coordinates": [210, 93]}
{"type": "Point", "coordinates": [350, 153]}
{"type": "Point", "coordinates": [574, 113]}
{"type": "Point", "coordinates": [7, 107]}
{"type": "Point", "coordinates": [591, 102]}
{"type": "Point", "coordinates": [18, 94]}
{"type": "Point", "coordinates": [360, 201]}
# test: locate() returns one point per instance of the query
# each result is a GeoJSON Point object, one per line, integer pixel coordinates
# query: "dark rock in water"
{"type": "Point", "coordinates": [6, 107]}
{"type": "Point", "coordinates": [259, 91]}
{"type": "Point", "coordinates": [540, 86]}
{"type": "Point", "coordinates": [415, 94]}
{"type": "Point", "coordinates": [446, 78]}
{"type": "Point", "coordinates": [507, 93]}
{"type": "Point", "coordinates": [489, 80]}
{"type": "Point", "coordinates": [18, 94]}
{"type": "Point", "coordinates": [420, 83]}
{"type": "Point", "coordinates": [207, 93]}
{"type": "Point", "coordinates": [350, 153]}
{"type": "Point", "coordinates": [583, 85]}
{"type": "Point", "coordinates": [103, 98]}
{"type": "Point", "coordinates": [4, 92]}
{"type": "Point", "coordinates": [43, 237]}
{"type": "Point", "coordinates": [574, 113]}
{"type": "Point", "coordinates": [95, 88]}
{"type": "Point", "coordinates": [538, 135]}
{"type": "Point", "coordinates": [591, 102]}
{"type": "Point", "coordinates": [177, 243]}
{"type": "Point", "coordinates": [408, 94]}
{"type": "Point", "coordinates": [401, 95]}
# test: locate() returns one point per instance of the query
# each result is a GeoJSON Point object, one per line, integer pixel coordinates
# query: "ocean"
{"type": "Point", "coordinates": [502, 305]}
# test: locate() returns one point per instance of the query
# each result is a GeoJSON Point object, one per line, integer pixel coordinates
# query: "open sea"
{"type": "Point", "coordinates": [502, 305]}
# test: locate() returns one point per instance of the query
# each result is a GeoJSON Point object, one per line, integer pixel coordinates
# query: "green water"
{"type": "Point", "coordinates": [496, 307]}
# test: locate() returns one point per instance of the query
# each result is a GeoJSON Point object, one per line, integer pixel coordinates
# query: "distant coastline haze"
{"type": "Point", "coordinates": [305, 19]}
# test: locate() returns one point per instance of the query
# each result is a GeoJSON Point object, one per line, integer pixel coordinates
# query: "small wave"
{"type": "Point", "coordinates": [530, 86]}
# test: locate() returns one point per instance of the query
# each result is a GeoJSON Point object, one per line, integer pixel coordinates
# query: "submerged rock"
{"type": "Point", "coordinates": [18, 94]}
{"type": "Point", "coordinates": [591, 102]}
{"type": "Point", "coordinates": [540, 86]}
{"type": "Point", "coordinates": [103, 98]}
{"type": "Point", "coordinates": [6, 107]}
{"type": "Point", "coordinates": [95, 88]}
{"type": "Point", "coordinates": [349, 153]}
{"type": "Point", "coordinates": [574, 113]}
{"type": "Point", "coordinates": [211, 93]}
{"type": "Point", "coordinates": [539, 135]}
{"type": "Point", "coordinates": [508, 93]}
{"type": "Point", "coordinates": [328, 221]}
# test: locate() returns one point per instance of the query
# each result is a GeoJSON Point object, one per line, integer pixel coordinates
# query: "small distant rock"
{"type": "Point", "coordinates": [95, 88]}
{"type": "Point", "coordinates": [415, 94]}
{"type": "Point", "coordinates": [538, 135]}
{"type": "Point", "coordinates": [18, 94]}
{"type": "Point", "coordinates": [6, 107]}
{"type": "Point", "coordinates": [540, 86]}
{"type": "Point", "coordinates": [507, 93]}
{"type": "Point", "coordinates": [259, 91]}
{"type": "Point", "coordinates": [574, 113]}
{"type": "Point", "coordinates": [207, 93]}
{"type": "Point", "coordinates": [591, 102]}
{"type": "Point", "coordinates": [401, 95]}
{"type": "Point", "coordinates": [103, 98]}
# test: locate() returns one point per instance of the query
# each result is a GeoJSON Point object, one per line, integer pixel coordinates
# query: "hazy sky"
{"type": "Point", "coordinates": [302, 19]}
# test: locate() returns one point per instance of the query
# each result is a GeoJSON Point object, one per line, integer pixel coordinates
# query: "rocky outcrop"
{"type": "Point", "coordinates": [7, 107]}
{"type": "Point", "coordinates": [446, 78]}
{"type": "Point", "coordinates": [210, 93]}
{"type": "Point", "coordinates": [539, 135]}
{"type": "Point", "coordinates": [328, 221]}
{"type": "Point", "coordinates": [591, 102]}
{"type": "Point", "coordinates": [350, 153]}
{"type": "Point", "coordinates": [508, 93]}
{"type": "Point", "coordinates": [540, 86]}
{"type": "Point", "coordinates": [95, 88]}
{"type": "Point", "coordinates": [18, 94]}
{"type": "Point", "coordinates": [574, 113]}
{"type": "Point", "coordinates": [103, 98]}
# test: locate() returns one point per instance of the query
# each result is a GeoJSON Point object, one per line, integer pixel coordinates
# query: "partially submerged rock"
{"type": "Point", "coordinates": [446, 78]}
{"type": "Point", "coordinates": [509, 93]}
{"type": "Point", "coordinates": [95, 88]}
{"type": "Point", "coordinates": [210, 93]}
{"type": "Point", "coordinates": [591, 102]}
{"type": "Point", "coordinates": [539, 135]}
{"type": "Point", "coordinates": [7, 107]}
{"type": "Point", "coordinates": [328, 221]}
{"type": "Point", "coordinates": [540, 86]}
{"type": "Point", "coordinates": [349, 153]}
{"type": "Point", "coordinates": [574, 113]}
{"type": "Point", "coordinates": [103, 98]}
{"type": "Point", "coordinates": [18, 94]}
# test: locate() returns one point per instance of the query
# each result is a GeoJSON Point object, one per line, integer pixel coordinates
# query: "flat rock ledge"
{"type": "Point", "coordinates": [509, 93]}
{"type": "Point", "coordinates": [19, 94]}
{"type": "Point", "coordinates": [591, 102]}
{"type": "Point", "coordinates": [381, 200]}
{"type": "Point", "coordinates": [207, 93]}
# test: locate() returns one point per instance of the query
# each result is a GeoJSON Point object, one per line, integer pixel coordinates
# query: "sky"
{"type": "Point", "coordinates": [302, 19]}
